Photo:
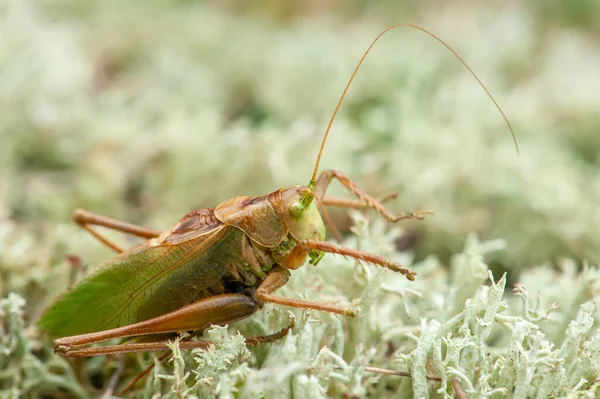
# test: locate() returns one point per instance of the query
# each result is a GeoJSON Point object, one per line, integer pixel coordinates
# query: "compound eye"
{"type": "Point", "coordinates": [296, 209]}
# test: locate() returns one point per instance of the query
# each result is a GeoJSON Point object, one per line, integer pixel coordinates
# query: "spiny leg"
{"type": "Point", "coordinates": [368, 257]}
{"type": "Point", "coordinates": [86, 219]}
{"type": "Point", "coordinates": [354, 203]}
{"type": "Point", "coordinates": [325, 178]}
{"type": "Point", "coordinates": [277, 278]}
{"type": "Point", "coordinates": [163, 346]}
{"type": "Point", "coordinates": [149, 368]}
{"type": "Point", "coordinates": [218, 310]}
{"type": "Point", "coordinates": [346, 203]}
{"type": "Point", "coordinates": [250, 341]}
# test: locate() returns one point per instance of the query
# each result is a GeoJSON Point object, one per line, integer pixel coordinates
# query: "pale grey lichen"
{"type": "Point", "coordinates": [486, 348]}
{"type": "Point", "coordinates": [224, 354]}
{"type": "Point", "coordinates": [23, 373]}
{"type": "Point", "coordinates": [528, 365]}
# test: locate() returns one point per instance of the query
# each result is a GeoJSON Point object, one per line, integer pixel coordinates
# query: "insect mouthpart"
{"type": "Point", "coordinates": [315, 257]}
{"type": "Point", "coordinates": [307, 196]}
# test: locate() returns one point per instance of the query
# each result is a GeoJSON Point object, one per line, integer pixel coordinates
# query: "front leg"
{"type": "Point", "coordinates": [361, 256]}
{"type": "Point", "coordinates": [326, 177]}
{"type": "Point", "coordinates": [355, 203]}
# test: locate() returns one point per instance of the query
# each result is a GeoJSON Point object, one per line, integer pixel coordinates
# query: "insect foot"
{"type": "Point", "coordinates": [419, 215]}
{"type": "Point", "coordinates": [61, 349]}
{"type": "Point", "coordinates": [354, 308]}
{"type": "Point", "coordinates": [254, 341]}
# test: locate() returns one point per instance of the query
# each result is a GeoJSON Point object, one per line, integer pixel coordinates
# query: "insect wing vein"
{"type": "Point", "coordinates": [144, 282]}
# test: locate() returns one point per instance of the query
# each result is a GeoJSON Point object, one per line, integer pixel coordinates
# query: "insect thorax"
{"type": "Point", "coordinates": [283, 249]}
{"type": "Point", "coordinates": [257, 260]}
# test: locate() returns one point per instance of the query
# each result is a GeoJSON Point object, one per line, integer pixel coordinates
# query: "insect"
{"type": "Point", "coordinates": [215, 266]}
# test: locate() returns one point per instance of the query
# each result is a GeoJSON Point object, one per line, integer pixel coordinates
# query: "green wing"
{"type": "Point", "coordinates": [147, 281]}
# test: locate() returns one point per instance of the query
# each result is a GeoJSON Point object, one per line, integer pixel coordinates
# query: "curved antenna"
{"type": "Point", "coordinates": [337, 107]}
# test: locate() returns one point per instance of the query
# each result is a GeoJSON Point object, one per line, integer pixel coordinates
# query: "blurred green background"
{"type": "Point", "coordinates": [145, 110]}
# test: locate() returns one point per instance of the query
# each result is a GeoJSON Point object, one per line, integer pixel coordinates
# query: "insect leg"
{"type": "Point", "coordinates": [277, 278]}
{"type": "Point", "coordinates": [149, 368]}
{"type": "Point", "coordinates": [130, 348]}
{"type": "Point", "coordinates": [164, 345]}
{"type": "Point", "coordinates": [356, 254]}
{"type": "Point", "coordinates": [86, 219]}
{"type": "Point", "coordinates": [354, 203]}
{"type": "Point", "coordinates": [325, 179]}
{"type": "Point", "coordinates": [250, 341]}
{"type": "Point", "coordinates": [219, 309]}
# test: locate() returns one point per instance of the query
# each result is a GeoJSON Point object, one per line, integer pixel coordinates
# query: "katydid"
{"type": "Point", "coordinates": [215, 266]}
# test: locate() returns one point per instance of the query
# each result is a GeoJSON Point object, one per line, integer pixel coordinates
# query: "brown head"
{"type": "Point", "coordinates": [268, 219]}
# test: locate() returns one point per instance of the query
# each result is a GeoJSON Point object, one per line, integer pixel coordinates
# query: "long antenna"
{"type": "Point", "coordinates": [337, 107]}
